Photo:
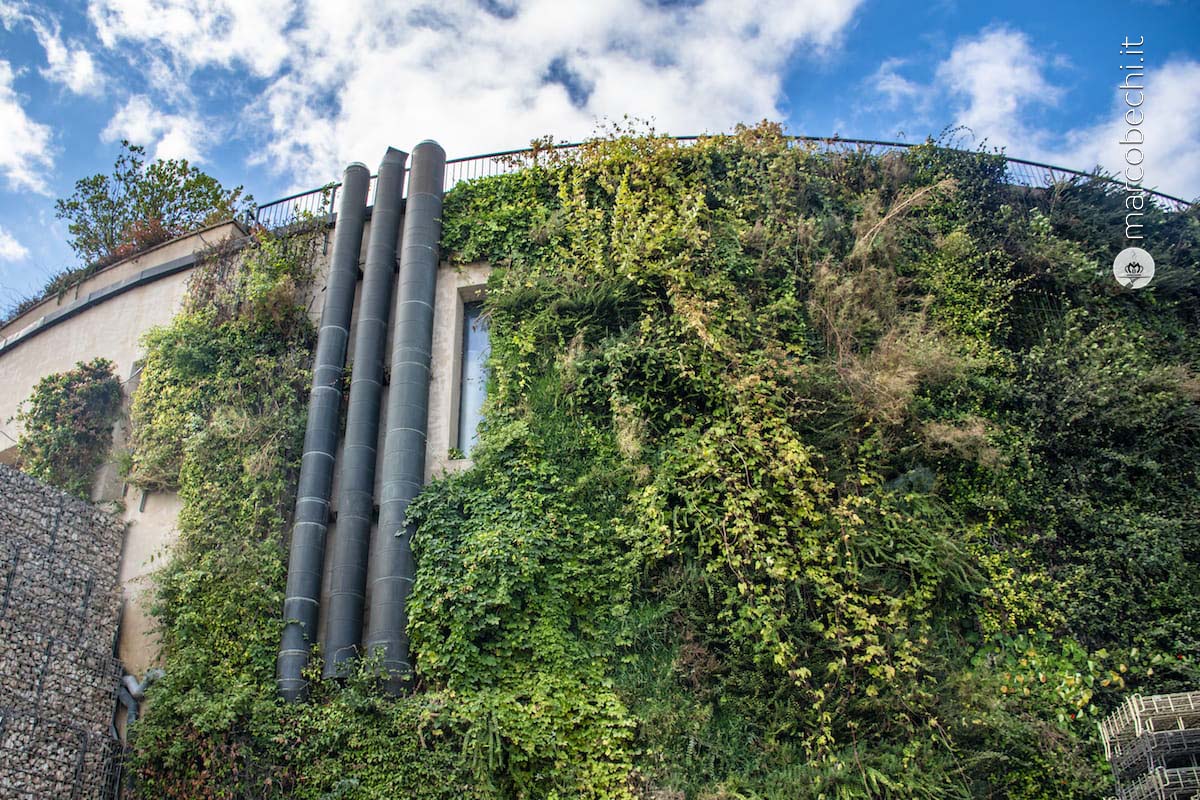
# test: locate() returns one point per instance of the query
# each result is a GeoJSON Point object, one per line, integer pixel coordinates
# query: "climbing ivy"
{"type": "Point", "coordinates": [776, 454]}
{"type": "Point", "coordinates": [67, 425]}
{"type": "Point", "coordinates": [219, 416]}
{"type": "Point", "coordinates": [804, 474]}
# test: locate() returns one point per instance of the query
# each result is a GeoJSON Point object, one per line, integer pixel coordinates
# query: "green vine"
{"type": "Point", "coordinates": [219, 416]}
{"type": "Point", "coordinates": [767, 459]}
{"type": "Point", "coordinates": [67, 425]}
{"type": "Point", "coordinates": [803, 475]}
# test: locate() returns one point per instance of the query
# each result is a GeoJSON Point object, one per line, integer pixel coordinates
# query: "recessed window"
{"type": "Point", "coordinates": [475, 351]}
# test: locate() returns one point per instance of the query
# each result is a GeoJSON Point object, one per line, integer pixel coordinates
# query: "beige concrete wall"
{"type": "Point", "coordinates": [130, 267]}
{"type": "Point", "coordinates": [110, 329]}
{"type": "Point", "coordinates": [151, 519]}
{"type": "Point", "coordinates": [150, 530]}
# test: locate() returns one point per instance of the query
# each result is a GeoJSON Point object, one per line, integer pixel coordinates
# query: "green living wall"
{"type": "Point", "coordinates": [803, 475]}
{"type": "Point", "coordinates": [67, 425]}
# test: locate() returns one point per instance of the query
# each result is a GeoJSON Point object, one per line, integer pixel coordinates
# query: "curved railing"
{"type": "Point", "coordinates": [320, 201]}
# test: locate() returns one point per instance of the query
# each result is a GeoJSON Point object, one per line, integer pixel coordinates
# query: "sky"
{"type": "Point", "coordinates": [279, 95]}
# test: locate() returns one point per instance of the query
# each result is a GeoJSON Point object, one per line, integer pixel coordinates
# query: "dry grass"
{"type": "Point", "coordinates": [630, 429]}
{"type": "Point", "coordinates": [966, 438]}
{"type": "Point", "coordinates": [875, 230]}
{"type": "Point", "coordinates": [881, 342]}
{"type": "Point", "coordinates": [885, 380]}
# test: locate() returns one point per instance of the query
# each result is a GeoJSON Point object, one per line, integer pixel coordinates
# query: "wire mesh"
{"type": "Point", "coordinates": [42, 757]}
{"type": "Point", "coordinates": [59, 681]}
{"type": "Point", "coordinates": [1170, 749]}
{"type": "Point", "coordinates": [1153, 745]}
{"type": "Point", "coordinates": [1139, 715]}
{"type": "Point", "coordinates": [1165, 784]}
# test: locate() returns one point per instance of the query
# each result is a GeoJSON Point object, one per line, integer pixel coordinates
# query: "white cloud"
{"type": "Point", "coordinates": [345, 80]}
{"type": "Point", "coordinates": [995, 84]}
{"type": "Point", "coordinates": [10, 248]}
{"type": "Point", "coordinates": [894, 87]}
{"type": "Point", "coordinates": [170, 135]}
{"type": "Point", "coordinates": [24, 144]}
{"type": "Point", "coordinates": [998, 76]}
{"type": "Point", "coordinates": [1172, 119]}
{"type": "Point", "coordinates": [201, 32]}
{"type": "Point", "coordinates": [67, 63]}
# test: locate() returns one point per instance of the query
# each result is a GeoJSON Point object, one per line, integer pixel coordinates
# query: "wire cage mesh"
{"type": "Point", "coordinates": [1153, 745]}
{"type": "Point", "coordinates": [42, 757]}
{"type": "Point", "coordinates": [59, 684]}
{"type": "Point", "coordinates": [1165, 784]}
{"type": "Point", "coordinates": [1139, 715]}
{"type": "Point", "coordinates": [1171, 749]}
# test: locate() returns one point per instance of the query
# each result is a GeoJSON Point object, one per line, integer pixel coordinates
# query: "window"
{"type": "Point", "coordinates": [475, 351]}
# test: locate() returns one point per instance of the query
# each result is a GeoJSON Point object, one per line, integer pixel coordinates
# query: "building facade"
{"type": "Point", "coordinates": [107, 314]}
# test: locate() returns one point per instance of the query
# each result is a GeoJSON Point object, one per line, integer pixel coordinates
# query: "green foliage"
{"type": "Point", "coordinates": [504, 618]}
{"type": "Point", "coordinates": [803, 475]}
{"type": "Point", "coordinates": [110, 217]}
{"type": "Point", "coordinates": [835, 388]}
{"type": "Point", "coordinates": [230, 362]}
{"type": "Point", "coordinates": [1116, 431]}
{"type": "Point", "coordinates": [219, 414]}
{"type": "Point", "coordinates": [67, 425]}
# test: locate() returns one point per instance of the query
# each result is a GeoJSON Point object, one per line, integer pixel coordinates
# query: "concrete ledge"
{"type": "Point", "coordinates": [148, 275]}
{"type": "Point", "coordinates": [141, 278]}
{"type": "Point", "coordinates": [120, 270]}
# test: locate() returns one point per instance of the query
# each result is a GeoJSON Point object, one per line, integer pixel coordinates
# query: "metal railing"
{"type": "Point", "coordinates": [322, 201]}
{"type": "Point", "coordinates": [311, 203]}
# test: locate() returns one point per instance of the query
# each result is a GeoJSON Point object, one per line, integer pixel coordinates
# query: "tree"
{"type": "Point", "coordinates": [139, 205]}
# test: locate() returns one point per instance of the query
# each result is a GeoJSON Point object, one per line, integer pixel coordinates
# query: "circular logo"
{"type": "Point", "coordinates": [1133, 268]}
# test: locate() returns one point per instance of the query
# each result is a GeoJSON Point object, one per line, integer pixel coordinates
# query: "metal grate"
{"type": "Point", "coordinates": [1165, 784]}
{"type": "Point", "coordinates": [322, 201]}
{"type": "Point", "coordinates": [1163, 749]}
{"type": "Point", "coordinates": [1153, 745]}
{"type": "Point", "coordinates": [1139, 715]}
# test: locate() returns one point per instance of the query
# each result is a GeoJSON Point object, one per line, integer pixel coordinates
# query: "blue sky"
{"type": "Point", "coordinates": [279, 94]}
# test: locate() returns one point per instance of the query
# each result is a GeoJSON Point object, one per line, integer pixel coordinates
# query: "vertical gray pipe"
{"type": "Point", "coordinates": [307, 559]}
{"type": "Point", "coordinates": [392, 568]}
{"type": "Point", "coordinates": [348, 577]}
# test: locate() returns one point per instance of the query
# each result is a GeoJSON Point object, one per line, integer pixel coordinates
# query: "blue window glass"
{"type": "Point", "coordinates": [475, 351]}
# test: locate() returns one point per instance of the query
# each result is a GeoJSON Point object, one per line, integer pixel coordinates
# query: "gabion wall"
{"type": "Point", "coordinates": [58, 618]}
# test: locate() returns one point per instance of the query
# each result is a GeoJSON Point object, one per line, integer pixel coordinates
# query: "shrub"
{"type": "Point", "coordinates": [67, 425]}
